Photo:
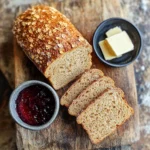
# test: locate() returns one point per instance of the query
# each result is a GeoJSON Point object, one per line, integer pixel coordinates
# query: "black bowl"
{"type": "Point", "coordinates": [133, 33]}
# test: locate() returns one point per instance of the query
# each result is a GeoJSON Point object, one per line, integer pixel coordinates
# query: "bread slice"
{"type": "Point", "coordinates": [87, 78]}
{"type": "Point", "coordinates": [89, 94]}
{"type": "Point", "coordinates": [102, 117]}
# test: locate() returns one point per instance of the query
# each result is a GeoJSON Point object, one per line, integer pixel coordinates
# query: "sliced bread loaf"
{"type": "Point", "coordinates": [102, 117]}
{"type": "Point", "coordinates": [89, 94]}
{"type": "Point", "coordinates": [53, 44]}
{"type": "Point", "coordinates": [87, 78]}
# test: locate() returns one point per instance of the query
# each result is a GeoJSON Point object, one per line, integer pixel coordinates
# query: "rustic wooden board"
{"type": "Point", "coordinates": [64, 133]}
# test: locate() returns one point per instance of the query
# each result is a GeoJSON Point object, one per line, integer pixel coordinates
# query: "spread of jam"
{"type": "Point", "coordinates": [35, 105]}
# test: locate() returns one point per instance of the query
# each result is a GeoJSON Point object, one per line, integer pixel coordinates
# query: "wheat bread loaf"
{"type": "Point", "coordinates": [102, 117]}
{"type": "Point", "coordinates": [89, 94]}
{"type": "Point", "coordinates": [53, 44]}
{"type": "Point", "coordinates": [86, 78]}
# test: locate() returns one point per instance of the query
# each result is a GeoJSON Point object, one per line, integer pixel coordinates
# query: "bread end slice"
{"type": "Point", "coordinates": [102, 117]}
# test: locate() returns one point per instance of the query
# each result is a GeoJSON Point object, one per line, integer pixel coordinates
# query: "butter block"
{"type": "Point", "coordinates": [120, 43]}
{"type": "Point", "coordinates": [108, 54]}
{"type": "Point", "coordinates": [113, 31]}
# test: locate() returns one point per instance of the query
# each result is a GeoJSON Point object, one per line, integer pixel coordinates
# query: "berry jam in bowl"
{"type": "Point", "coordinates": [34, 105]}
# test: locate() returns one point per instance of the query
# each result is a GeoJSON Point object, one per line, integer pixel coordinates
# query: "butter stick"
{"type": "Point", "coordinates": [120, 43]}
{"type": "Point", "coordinates": [113, 31]}
{"type": "Point", "coordinates": [108, 54]}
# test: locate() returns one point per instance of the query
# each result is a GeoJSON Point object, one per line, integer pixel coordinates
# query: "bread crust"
{"type": "Point", "coordinates": [45, 34]}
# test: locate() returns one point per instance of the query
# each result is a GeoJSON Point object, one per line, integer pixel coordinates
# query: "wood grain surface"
{"type": "Point", "coordinates": [64, 133]}
{"type": "Point", "coordinates": [6, 56]}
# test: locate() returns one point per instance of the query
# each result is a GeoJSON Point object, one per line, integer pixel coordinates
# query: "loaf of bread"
{"type": "Point", "coordinates": [84, 81]}
{"type": "Point", "coordinates": [89, 94]}
{"type": "Point", "coordinates": [53, 44]}
{"type": "Point", "coordinates": [105, 114]}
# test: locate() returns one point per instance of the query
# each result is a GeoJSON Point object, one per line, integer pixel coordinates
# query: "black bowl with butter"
{"type": "Point", "coordinates": [132, 31]}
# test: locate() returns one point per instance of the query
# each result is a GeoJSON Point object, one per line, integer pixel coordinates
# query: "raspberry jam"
{"type": "Point", "coordinates": [35, 105]}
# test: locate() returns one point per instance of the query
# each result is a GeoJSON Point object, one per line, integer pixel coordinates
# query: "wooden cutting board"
{"type": "Point", "coordinates": [64, 133]}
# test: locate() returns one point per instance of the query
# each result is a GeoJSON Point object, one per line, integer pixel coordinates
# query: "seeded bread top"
{"type": "Point", "coordinates": [45, 34]}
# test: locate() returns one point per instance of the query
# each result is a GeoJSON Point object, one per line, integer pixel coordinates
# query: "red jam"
{"type": "Point", "coordinates": [35, 105]}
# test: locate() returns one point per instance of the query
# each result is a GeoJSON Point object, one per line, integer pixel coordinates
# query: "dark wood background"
{"type": "Point", "coordinates": [138, 12]}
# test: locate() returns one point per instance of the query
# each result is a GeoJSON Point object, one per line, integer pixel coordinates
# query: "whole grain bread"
{"type": "Point", "coordinates": [53, 44]}
{"type": "Point", "coordinates": [105, 114]}
{"type": "Point", "coordinates": [89, 94]}
{"type": "Point", "coordinates": [84, 81]}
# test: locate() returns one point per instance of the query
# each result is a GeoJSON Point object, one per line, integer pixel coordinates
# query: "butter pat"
{"type": "Point", "coordinates": [113, 31]}
{"type": "Point", "coordinates": [108, 54]}
{"type": "Point", "coordinates": [120, 43]}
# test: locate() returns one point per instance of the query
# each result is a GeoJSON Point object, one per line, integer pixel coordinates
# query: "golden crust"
{"type": "Point", "coordinates": [45, 34]}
